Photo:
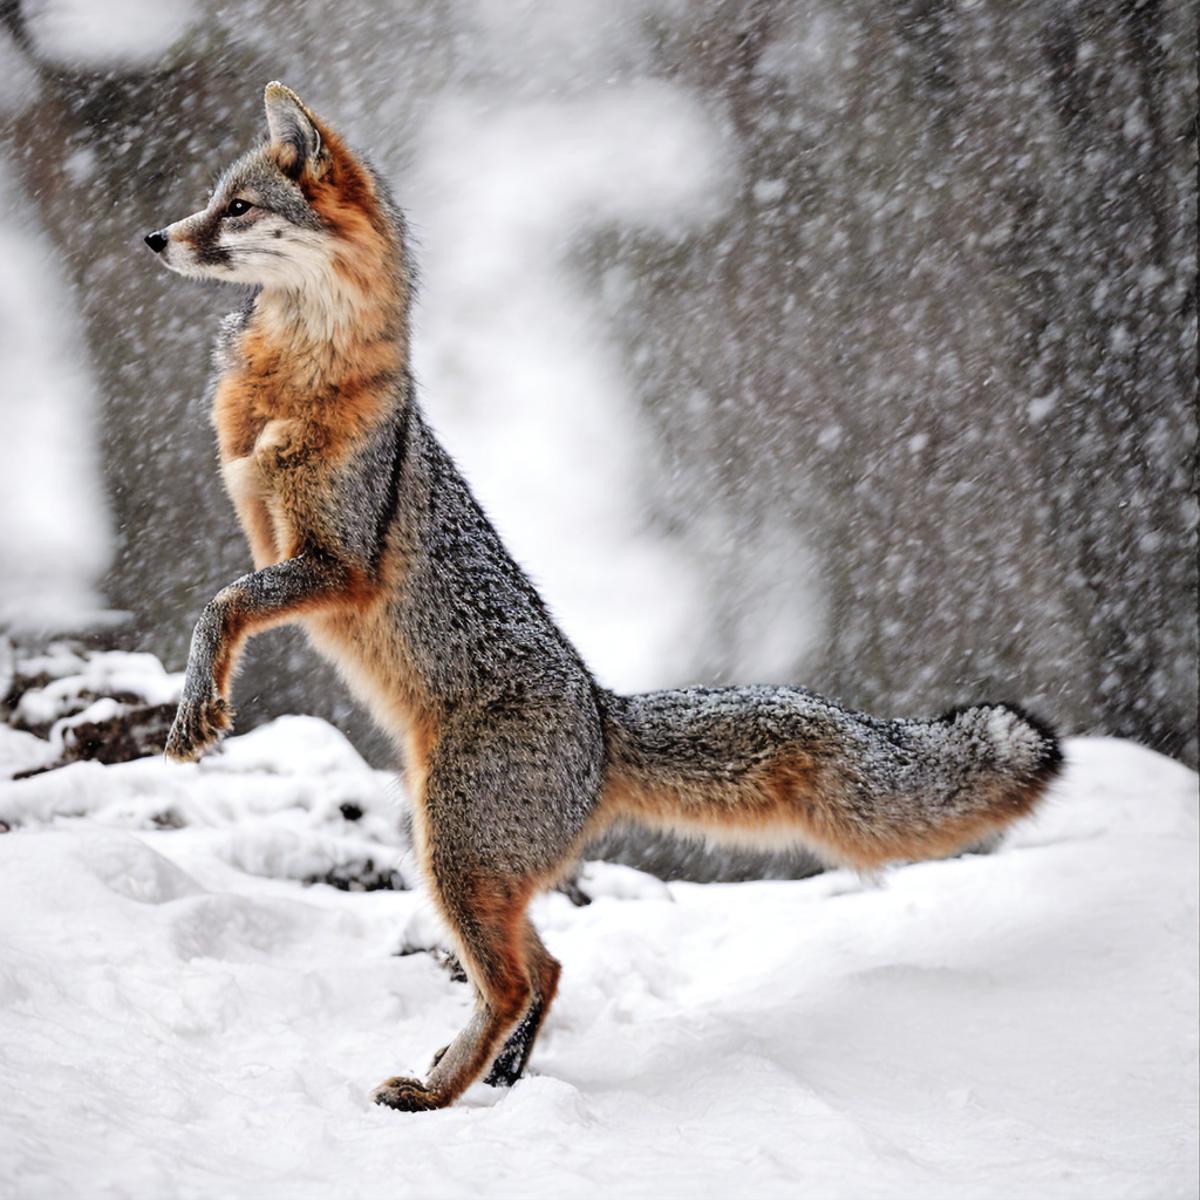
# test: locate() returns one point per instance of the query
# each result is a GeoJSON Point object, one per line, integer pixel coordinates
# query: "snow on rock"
{"type": "Point", "coordinates": [1017, 1024]}
{"type": "Point", "coordinates": [20, 751]}
{"type": "Point", "coordinates": [140, 677]}
{"type": "Point", "coordinates": [290, 800]}
{"type": "Point", "coordinates": [293, 746]}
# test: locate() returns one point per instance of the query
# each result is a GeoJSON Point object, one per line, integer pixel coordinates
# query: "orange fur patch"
{"type": "Point", "coordinates": [788, 802]}
{"type": "Point", "coordinates": [298, 399]}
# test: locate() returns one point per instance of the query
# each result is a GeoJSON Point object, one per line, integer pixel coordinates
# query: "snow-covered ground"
{"type": "Point", "coordinates": [181, 1016]}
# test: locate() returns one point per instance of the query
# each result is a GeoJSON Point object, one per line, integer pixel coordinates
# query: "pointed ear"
{"type": "Point", "coordinates": [294, 131]}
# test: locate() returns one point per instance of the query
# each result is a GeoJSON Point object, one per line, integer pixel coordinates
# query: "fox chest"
{"type": "Point", "coordinates": [278, 486]}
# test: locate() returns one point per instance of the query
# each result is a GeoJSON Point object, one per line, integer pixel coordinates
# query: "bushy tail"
{"type": "Point", "coordinates": [775, 765]}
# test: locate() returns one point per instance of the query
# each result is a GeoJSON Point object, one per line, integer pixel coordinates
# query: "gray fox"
{"type": "Point", "coordinates": [362, 530]}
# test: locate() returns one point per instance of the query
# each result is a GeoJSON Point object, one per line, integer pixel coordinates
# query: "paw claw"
{"type": "Point", "coordinates": [406, 1095]}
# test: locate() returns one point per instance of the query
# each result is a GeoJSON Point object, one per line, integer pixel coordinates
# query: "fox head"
{"type": "Point", "coordinates": [299, 213]}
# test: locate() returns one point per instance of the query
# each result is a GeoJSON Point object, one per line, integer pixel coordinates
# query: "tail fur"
{"type": "Point", "coordinates": [774, 765]}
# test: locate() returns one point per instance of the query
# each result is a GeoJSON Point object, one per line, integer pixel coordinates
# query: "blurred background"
{"type": "Point", "coordinates": [819, 341]}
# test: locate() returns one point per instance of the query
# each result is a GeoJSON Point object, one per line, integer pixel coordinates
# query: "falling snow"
{"type": "Point", "coordinates": [844, 344]}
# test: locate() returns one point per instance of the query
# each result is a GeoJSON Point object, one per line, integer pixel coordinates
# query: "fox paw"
{"type": "Point", "coordinates": [198, 725]}
{"type": "Point", "coordinates": [407, 1095]}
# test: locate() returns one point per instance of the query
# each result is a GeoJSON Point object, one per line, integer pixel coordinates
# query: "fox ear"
{"type": "Point", "coordinates": [293, 130]}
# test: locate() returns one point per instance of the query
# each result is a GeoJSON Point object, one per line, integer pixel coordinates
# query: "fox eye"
{"type": "Point", "coordinates": [236, 208]}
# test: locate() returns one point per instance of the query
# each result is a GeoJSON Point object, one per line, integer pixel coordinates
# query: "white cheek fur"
{"type": "Point", "coordinates": [267, 251]}
{"type": "Point", "coordinates": [181, 258]}
{"type": "Point", "coordinates": [272, 252]}
{"type": "Point", "coordinates": [293, 266]}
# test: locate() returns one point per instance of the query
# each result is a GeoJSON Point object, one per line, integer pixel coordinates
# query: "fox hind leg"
{"type": "Point", "coordinates": [488, 919]}
{"type": "Point", "coordinates": [510, 1063]}
{"type": "Point", "coordinates": [494, 825]}
{"type": "Point", "coordinates": [544, 971]}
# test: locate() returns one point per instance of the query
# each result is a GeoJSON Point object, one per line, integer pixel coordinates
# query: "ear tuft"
{"type": "Point", "coordinates": [293, 129]}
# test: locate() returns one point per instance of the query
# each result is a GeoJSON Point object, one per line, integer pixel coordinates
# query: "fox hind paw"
{"type": "Point", "coordinates": [406, 1095]}
{"type": "Point", "coordinates": [198, 725]}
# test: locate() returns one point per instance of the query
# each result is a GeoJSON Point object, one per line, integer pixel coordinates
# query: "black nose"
{"type": "Point", "coordinates": [157, 241]}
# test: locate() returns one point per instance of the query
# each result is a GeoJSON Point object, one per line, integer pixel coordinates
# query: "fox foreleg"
{"type": "Point", "coordinates": [272, 596]}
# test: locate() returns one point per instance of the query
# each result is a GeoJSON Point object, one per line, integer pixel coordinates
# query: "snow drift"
{"type": "Point", "coordinates": [180, 1016]}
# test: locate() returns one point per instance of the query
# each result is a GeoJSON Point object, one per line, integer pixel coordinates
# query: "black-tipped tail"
{"type": "Point", "coordinates": [1019, 740]}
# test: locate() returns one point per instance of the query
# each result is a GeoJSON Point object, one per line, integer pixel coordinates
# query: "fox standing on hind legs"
{"type": "Point", "coordinates": [363, 531]}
